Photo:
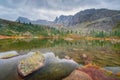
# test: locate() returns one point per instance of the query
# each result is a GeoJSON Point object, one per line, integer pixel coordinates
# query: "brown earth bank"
{"type": "Point", "coordinates": [40, 37]}
{"type": "Point", "coordinates": [4, 37]}
{"type": "Point", "coordinates": [68, 37]}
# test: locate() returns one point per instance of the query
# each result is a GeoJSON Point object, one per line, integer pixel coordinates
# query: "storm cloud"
{"type": "Point", "coordinates": [49, 9]}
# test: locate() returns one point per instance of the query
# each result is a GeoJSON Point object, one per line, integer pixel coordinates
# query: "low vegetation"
{"type": "Point", "coordinates": [9, 28]}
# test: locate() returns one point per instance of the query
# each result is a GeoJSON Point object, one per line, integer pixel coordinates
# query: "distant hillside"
{"type": "Point", "coordinates": [40, 22]}
{"type": "Point", "coordinates": [10, 28]}
{"type": "Point", "coordinates": [86, 20]}
{"type": "Point", "coordinates": [84, 23]}
{"type": "Point", "coordinates": [98, 19]}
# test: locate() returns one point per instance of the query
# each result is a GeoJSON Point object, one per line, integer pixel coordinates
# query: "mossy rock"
{"type": "Point", "coordinates": [32, 63]}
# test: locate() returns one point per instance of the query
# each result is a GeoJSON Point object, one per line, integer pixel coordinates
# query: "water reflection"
{"type": "Point", "coordinates": [24, 44]}
{"type": "Point", "coordinates": [100, 52]}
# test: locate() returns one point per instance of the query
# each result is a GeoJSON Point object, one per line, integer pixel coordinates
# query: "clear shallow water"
{"type": "Point", "coordinates": [100, 52]}
{"type": "Point", "coordinates": [54, 69]}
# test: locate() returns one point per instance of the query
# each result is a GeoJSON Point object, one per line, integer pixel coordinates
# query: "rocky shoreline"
{"type": "Point", "coordinates": [36, 60]}
{"type": "Point", "coordinates": [91, 72]}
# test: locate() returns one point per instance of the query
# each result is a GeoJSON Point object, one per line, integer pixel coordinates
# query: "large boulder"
{"type": "Point", "coordinates": [78, 75]}
{"type": "Point", "coordinates": [30, 64]}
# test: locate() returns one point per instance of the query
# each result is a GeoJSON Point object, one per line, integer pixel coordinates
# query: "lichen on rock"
{"type": "Point", "coordinates": [30, 64]}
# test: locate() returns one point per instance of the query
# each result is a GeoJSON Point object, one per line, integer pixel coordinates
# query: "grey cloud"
{"type": "Point", "coordinates": [49, 9]}
{"type": "Point", "coordinates": [56, 4]}
{"type": "Point", "coordinates": [12, 3]}
{"type": "Point", "coordinates": [61, 4]}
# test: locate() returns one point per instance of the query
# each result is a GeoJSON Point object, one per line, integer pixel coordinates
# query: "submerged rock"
{"type": "Point", "coordinates": [10, 54]}
{"type": "Point", "coordinates": [113, 69]}
{"type": "Point", "coordinates": [32, 63]}
{"type": "Point", "coordinates": [54, 69]}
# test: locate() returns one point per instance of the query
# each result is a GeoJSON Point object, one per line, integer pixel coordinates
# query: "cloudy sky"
{"type": "Point", "coordinates": [49, 9]}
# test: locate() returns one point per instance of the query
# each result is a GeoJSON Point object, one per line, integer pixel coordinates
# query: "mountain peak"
{"type": "Point", "coordinates": [23, 20]}
{"type": "Point", "coordinates": [87, 15]}
{"type": "Point", "coordinates": [39, 22]}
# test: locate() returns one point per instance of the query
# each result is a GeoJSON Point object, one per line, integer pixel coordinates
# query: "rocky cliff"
{"type": "Point", "coordinates": [100, 19]}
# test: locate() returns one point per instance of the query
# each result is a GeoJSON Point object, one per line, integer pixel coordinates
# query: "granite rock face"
{"type": "Point", "coordinates": [86, 15]}
{"type": "Point", "coordinates": [92, 15]}
{"type": "Point", "coordinates": [63, 20]}
{"type": "Point", "coordinates": [100, 19]}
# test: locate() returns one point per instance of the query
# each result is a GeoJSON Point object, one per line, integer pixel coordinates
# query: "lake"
{"type": "Point", "coordinates": [100, 52]}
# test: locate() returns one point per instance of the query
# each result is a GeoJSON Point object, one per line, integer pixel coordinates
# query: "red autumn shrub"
{"type": "Point", "coordinates": [96, 73]}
